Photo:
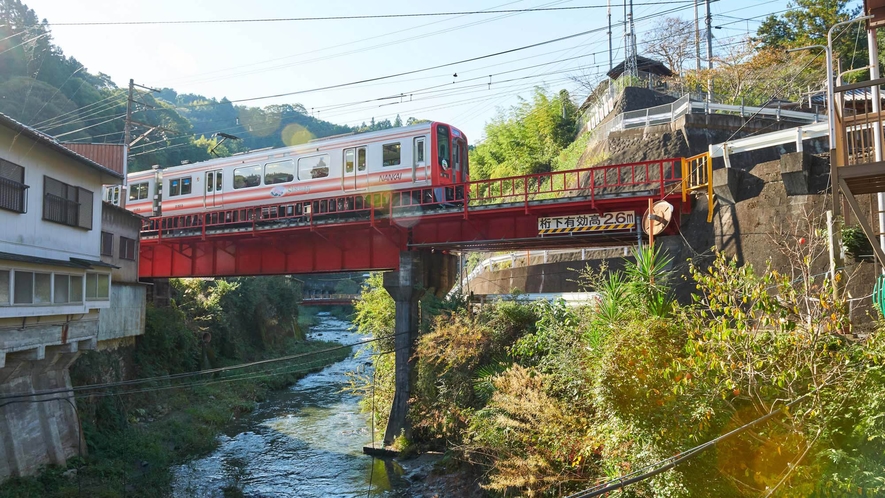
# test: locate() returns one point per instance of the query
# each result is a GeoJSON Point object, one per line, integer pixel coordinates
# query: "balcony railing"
{"type": "Point", "coordinates": [13, 195]}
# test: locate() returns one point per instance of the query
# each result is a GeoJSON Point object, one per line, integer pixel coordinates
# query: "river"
{"type": "Point", "coordinates": [305, 441]}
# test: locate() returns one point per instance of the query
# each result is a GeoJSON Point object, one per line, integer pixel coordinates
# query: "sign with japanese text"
{"type": "Point", "coordinates": [596, 222]}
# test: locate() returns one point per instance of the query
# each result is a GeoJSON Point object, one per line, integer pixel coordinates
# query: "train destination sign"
{"type": "Point", "coordinates": [596, 222]}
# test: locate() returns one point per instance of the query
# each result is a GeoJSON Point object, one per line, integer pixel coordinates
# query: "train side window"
{"type": "Point", "coordinates": [279, 172]}
{"type": "Point", "coordinates": [391, 154]}
{"type": "Point", "coordinates": [361, 159]}
{"type": "Point", "coordinates": [218, 181]}
{"type": "Point", "coordinates": [419, 150]}
{"type": "Point", "coordinates": [174, 187]}
{"type": "Point", "coordinates": [138, 191]}
{"type": "Point", "coordinates": [249, 176]}
{"type": "Point", "coordinates": [348, 160]}
{"type": "Point", "coordinates": [210, 181]}
{"type": "Point", "coordinates": [310, 168]}
{"type": "Point", "coordinates": [185, 185]}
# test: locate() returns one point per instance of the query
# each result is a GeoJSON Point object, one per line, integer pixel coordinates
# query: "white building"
{"type": "Point", "coordinates": [52, 285]}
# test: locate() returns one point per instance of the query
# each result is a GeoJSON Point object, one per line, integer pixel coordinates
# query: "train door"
{"type": "Point", "coordinates": [355, 170]}
{"type": "Point", "coordinates": [420, 164]}
{"type": "Point", "coordinates": [214, 189]}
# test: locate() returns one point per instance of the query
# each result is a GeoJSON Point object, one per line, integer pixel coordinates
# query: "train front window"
{"type": "Point", "coordinates": [442, 146]}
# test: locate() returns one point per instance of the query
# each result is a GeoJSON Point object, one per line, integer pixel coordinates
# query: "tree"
{"type": "Point", "coordinates": [673, 41]}
{"type": "Point", "coordinates": [397, 122]}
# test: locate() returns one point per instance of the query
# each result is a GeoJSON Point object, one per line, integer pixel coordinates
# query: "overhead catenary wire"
{"type": "Point", "coordinates": [350, 17]}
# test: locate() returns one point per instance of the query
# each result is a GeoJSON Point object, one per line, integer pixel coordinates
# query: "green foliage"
{"type": "Point", "coordinates": [855, 242]}
{"type": "Point", "coordinates": [527, 139]}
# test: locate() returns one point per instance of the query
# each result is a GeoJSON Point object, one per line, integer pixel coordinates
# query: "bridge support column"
{"type": "Point", "coordinates": [419, 272]}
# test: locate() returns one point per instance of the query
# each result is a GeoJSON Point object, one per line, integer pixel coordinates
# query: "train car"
{"type": "Point", "coordinates": [418, 156]}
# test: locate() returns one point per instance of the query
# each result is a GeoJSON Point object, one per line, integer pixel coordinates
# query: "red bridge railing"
{"type": "Point", "coordinates": [651, 178]}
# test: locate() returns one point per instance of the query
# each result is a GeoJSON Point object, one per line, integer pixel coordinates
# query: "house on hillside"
{"type": "Point", "coordinates": [53, 285]}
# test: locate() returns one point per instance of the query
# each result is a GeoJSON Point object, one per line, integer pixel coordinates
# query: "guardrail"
{"type": "Point", "coordinates": [668, 113]}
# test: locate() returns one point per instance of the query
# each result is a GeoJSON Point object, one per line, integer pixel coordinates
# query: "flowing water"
{"type": "Point", "coordinates": [305, 441]}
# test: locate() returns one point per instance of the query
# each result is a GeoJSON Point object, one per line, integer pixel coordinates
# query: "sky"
{"type": "Point", "coordinates": [256, 59]}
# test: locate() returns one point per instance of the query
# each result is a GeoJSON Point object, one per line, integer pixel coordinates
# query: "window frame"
{"type": "Point", "coordinates": [107, 244]}
{"type": "Point", "coordinates": [128, 248]}
{"type": "Point", "coordinates": [136, 190]}
{"type": "Point", "coordinates": [251, 166]}
{"type": "Point", "coordinates": [399, 154]}
{"type": "Point", "coordinates": [314, 167]}
{"type": "Point", "coordinates": [290, 162]}
{"type": "Point", "coordinates": [73, 209]}
{"type": "Point", "coordinates": [95, 276]}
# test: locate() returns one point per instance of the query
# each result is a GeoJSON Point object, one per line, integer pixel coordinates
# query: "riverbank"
{"type": "Point", "coordinates": [142, 435]}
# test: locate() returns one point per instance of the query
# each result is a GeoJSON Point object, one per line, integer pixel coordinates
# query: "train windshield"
{"type": "Point", "coordinates": [443, 146]}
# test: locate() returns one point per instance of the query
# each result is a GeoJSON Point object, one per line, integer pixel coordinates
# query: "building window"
{"type": "Point", "coordinates": [97, 286]}
{"type": "Point", "coordinates": [179, 186]}
{"type": "Point", "coordinates": [4, 287]}
{"type": "Point", "coordinates": [390, 154]}
{"type": "Point", "coordinates": [281, 172]}
{"type": "Point", "coordinates": [67, 204]}
{"type": "Point", "coordinates": [250, 176]}
{"type": "Point", "coordinates": [13, 191]}
{"type": "Point", "coordinates": [310, 168]}
{"type": "Point", "coordinates": [23, 288]}
{"type": "Point", "coordinates": [48, 288]}
{"type": "Point", "coordinates": [127, 248]}
{"type": "Point", "coordinates": [107, 244]}
{"type": "Point", "coordinates": [68, 289]}
{"type": "Point", "coordinates": [138, 191]}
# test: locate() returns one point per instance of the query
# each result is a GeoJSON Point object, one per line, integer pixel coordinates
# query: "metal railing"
{"type": "Point", "coordinates": [657, 178]}
{"type": "Point", "coordinates": [697, 176]}
{"type": "Point", "coordinates": [13, 195]}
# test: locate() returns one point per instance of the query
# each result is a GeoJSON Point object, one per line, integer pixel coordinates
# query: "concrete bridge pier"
{"type": "Point", "coordinates": [420, 272]}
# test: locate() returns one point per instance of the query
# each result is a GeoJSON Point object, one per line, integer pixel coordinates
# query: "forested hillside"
{"type": "Point", "coordinates": [42, 87]}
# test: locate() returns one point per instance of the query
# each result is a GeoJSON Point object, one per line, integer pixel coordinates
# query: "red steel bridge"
{"type": "Point", "coordinates": [357, 232]}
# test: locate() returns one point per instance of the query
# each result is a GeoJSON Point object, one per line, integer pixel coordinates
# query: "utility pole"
{"type": "Point", "coordinates": [697, 45]}
{"type": "Point", "coordinates": [709, 52]}
{"type": "Point", "coordinates": [127, 137]}
{"type": "Point", "coordinates": [610, 56]}
{"type": "Point", "coordinates": [630, 47]}
{"type": "Point", "coordinates": [128, 142]}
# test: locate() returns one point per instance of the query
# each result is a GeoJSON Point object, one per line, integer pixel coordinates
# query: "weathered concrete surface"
{"type": "Point", "coordinates": [126, 316]}
{"type": "Point", "coordinates": [36, 432]}
{"type": "Point", "coordinates": [420, 272]}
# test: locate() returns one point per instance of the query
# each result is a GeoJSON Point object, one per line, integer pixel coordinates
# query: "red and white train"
{"type": "Point", "coordinates": [425, 155]}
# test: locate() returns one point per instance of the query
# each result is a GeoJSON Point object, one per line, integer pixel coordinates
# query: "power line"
{"type": "Point", "coordinates": [353, 17]}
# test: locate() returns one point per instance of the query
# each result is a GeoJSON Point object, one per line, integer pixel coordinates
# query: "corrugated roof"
{"type": "Point", "coordinates": [108, 155]}
{"type": "Point", "coordinates": [55, 145]}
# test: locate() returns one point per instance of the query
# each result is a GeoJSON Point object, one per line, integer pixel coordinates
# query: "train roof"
{"type": "Point", "coordinates": [301, 148]}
